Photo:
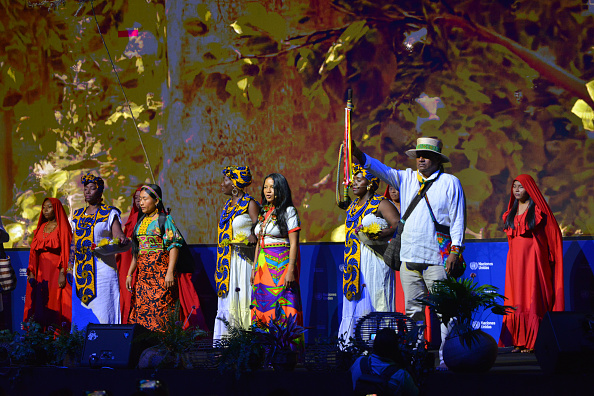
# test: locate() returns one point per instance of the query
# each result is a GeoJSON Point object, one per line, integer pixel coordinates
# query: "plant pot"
{"type": "Point", "coordinates": [284, 360]}
{"type": "Point", "coordinates": [71, 360]}
{"type": "Point", "coordinates": [479, 357]}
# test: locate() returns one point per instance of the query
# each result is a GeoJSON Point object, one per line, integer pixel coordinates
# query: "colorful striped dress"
{"type": "Point", "coordinates": [268, 291]}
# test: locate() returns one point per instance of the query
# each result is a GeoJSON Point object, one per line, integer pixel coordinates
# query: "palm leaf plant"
{"type": "Point", "coordinates": [460, 300]}
{"type": "Point", "coordinates": [280, 334]}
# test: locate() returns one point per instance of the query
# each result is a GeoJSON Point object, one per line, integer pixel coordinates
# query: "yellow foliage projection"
{"type": "Point", "coordinates": [263, 84]}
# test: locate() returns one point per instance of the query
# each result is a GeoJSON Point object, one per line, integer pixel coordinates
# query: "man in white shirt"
{"type": "Point", "coordinates": [422, 263]}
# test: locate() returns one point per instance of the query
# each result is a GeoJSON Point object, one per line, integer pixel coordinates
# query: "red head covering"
{"type": "Point", "coordinates": [133, 217]}
{"type": "Point", "coordinates": [64, 234]}
{"type": "Point", "coordinates": [553, 233]}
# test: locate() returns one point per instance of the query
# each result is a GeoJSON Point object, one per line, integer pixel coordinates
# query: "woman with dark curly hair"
{"type": "Point", "coordinates": [275, 276]}
{"type": "Point", "coordinates": [534, 269]}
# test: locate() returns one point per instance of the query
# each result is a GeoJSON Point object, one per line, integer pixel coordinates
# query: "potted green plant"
{"type": "Point", "coordinates": [31, 347]}
{"type": "Point", "coordinates": [458, 302]}
{"type": "Point", "coordinates": [240, 350]}
{"type": "Point", "coordinates": [67, 346]}
{"type": "Point", "coordinates": [281, 337]}
{"type": "Point", "coordinates": [171, 346]}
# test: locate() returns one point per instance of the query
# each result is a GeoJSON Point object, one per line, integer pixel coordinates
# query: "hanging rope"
{"type": "Point", "coordinates": [148, 162]}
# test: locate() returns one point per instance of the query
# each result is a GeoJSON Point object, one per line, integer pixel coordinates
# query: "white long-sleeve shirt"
{"type": "Point", "coordinates": [418, 241]}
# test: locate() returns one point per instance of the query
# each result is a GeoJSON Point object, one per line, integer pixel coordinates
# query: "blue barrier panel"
{"type": "Point", "coordinates": [486, 261]}
{"type": "Point", "coordinates": [321, 281]}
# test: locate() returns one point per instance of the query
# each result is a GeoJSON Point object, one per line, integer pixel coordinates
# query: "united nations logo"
{"type": "Point", "coordinates": [476, 324]}
{"type": "Point", "coordinates": [93, 336]}
{"type": "Point", "coordinates": [473, 265]}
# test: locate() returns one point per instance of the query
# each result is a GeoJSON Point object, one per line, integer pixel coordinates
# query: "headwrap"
{"type": "Point", "coordinates": [64, 235]}
{"type": "Point", "coordinates": [374, 180]}
{"type": "Point", "coordinates": [90, 178]}
{"type": "Point", "coordinates": [240, 176]}
{"type": "Point", "coordinates": [351, 274]}
{"type": "Point", "coordinates": [552, 231]}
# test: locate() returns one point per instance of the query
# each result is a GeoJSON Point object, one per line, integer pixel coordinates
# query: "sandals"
{"type": "Point", "coordinates": [522, 349]}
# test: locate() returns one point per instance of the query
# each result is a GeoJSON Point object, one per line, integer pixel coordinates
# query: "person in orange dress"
{"type": "Point", "coordinates": [534, 270]}
{"type": "Point", "coordinates": [48, 297]}
{"type": "Point", "coordinates": [155, 255]}
{"type": "Point", "coordinates": [124, 259]}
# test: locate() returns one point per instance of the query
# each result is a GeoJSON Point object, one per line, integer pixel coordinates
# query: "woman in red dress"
{"type": "Point", "coordinates": [48, 298]}
{"type": "Point", "coordinates": [534, 271]}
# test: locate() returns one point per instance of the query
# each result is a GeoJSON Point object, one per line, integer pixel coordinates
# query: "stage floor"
{"type": "Point", "coordinates": [513, 374]}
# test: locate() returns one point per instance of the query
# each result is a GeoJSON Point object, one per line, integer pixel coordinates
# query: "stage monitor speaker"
{"type": "Point", "coordinates": [565, 342]}
{"type": "Point", "coordinates": [115, 346]}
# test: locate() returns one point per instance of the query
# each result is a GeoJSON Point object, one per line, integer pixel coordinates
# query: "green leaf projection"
{"type": "Point", "coordinates": [217, 83]}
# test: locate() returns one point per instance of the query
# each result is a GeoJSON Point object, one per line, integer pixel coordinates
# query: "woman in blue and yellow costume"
{"type": "Point", "coordinates": [367, 282]}
{"type": "Point", "coordinates": [96, 293]}
{"type": "Point", "coordinates": [156, 246]}
{"type": "Point", "coordinates": [233, 270]}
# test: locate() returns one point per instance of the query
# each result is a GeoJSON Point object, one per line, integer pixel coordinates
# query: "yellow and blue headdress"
{"type": "Point", "coordinates": [374, 180]}
{"type": "Point", "coordinates": [90, 178]}
{"type": "Point", "coordinates": [240, 176]}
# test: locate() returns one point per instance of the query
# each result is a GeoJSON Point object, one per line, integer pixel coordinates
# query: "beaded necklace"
{"type": "Point", "coordinates": [352, 215]}
{"type": "Point", "coordinates": [227, 214]}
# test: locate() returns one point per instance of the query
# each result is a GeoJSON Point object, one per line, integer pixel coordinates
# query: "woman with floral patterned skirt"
{"type": "Point", "coordinates": [156, 245]}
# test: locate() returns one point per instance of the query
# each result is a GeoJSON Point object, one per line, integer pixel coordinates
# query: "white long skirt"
{"type": "Point", "coordinates": [377, 281]}
{"type": "Point", "coordinates": [235, 307]}
{"type": "Point", "coordinates": [105, 308]}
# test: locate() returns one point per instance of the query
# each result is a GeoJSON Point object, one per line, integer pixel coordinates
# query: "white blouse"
{"type": "Point", "coordinates": [272, 234]}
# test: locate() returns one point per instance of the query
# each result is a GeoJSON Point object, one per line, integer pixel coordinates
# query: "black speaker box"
{"type": "Point", "coordinates": [115, 346]}
{"type": "Point", "coordinates": [565, 342]}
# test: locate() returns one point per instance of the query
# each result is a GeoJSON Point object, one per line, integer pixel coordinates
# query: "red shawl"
{"type": "Point", "coordinates": [133, 217]}
{"type": "Point", "coordinates": [553, 233]}
{"type": "Point", "coordinates": [64, 234]}
{"type": "Point", "coordinates": [125, 259]}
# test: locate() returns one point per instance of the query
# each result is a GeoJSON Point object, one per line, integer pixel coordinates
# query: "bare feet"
{"type": "Point", "coordinates": [441, 367]}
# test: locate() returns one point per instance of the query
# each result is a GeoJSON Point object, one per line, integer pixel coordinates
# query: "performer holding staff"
{"type": "Point", "coordinates": [368, 283]}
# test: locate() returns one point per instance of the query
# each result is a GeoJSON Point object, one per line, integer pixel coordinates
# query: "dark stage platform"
{"type": "Point", "coordinates": [513, 374]}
